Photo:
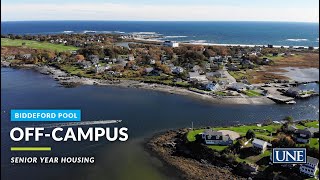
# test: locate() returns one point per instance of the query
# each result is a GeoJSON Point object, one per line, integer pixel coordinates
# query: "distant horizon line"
{"type": "Point", "coordinates": [166, 21]}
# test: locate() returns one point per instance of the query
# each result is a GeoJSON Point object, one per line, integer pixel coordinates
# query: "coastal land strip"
{"type": "Point", "coordinates": [70, 81]}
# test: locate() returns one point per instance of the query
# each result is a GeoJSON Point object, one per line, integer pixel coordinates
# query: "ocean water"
{"type": "Point", "coordinates": [248, 33]}
{"type": "Point", "coordinates": [144, 112]}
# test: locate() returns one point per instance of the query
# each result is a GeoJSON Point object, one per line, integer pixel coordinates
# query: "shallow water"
{"type": "Point", "coordinates": [301, 74]}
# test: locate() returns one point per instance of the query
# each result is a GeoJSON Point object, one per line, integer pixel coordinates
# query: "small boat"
{"type": "Point", "coordinates": [291, 102]}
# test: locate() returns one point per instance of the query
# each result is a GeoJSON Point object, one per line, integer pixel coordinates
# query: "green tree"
{"type": "Point", "coordinates": [289, 119]}
{"type": "Point", "coordinates": [250, 134]}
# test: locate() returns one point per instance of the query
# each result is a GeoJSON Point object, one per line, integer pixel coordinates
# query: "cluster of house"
{"type": "Point", "coordinates": [22, 56]}
{"type": "Point", "coordinates": [88, 39]}
{"type": "Point", "coordinates": [303, 135]}
{"type": "Point", "coordinates": [227, 137]}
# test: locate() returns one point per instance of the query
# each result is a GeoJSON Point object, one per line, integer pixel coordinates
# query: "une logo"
{"type": "Point", "coordinates": [289, 155]}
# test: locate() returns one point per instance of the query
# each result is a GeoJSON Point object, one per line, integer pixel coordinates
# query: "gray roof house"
{"type": "Point", "coordinates": [312, 130]}
{"type": "Point", "coordinates": [238, 87]}
{"type": "Point", "coordinates": [259, 145]}
{"type": "Point", "coordinates": [217, 74]}
{"type": "Point", "coordinates": [302, 136]}
{"type": "Point", "coordinates": [148, 70]}
{"type": "Point", "coordinates": [94, 59]}
{"type": "Point", "coordinates": [26, 56]}
{"type": "Point", "coordinates": [195, 76]}
{"type": "Point", "coordinates": [177, 70]}
{"type": "Point", "coordinates": [310, 167]}
{"type": "Point", "coordinates": [223, 137]}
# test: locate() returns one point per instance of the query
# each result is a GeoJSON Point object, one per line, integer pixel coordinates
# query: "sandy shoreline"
{"type": "Point", "coordinates": [65, 79]}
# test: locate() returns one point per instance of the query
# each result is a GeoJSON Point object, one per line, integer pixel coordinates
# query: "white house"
{"type": "Point", "coordinates": [177, 70]}
{"type": "Point", "coordinates": [212, 87]}
{"type": "Point", "coordinates": [310, 167]}
{"type": "Point", "coordinates": [259, 145]}
{"type": "Point", "coordinates": [196, 76]}
{"type": "Point", "coordinates": [170, 44]}
{"type": "Point", "coordinates": [222, 137]}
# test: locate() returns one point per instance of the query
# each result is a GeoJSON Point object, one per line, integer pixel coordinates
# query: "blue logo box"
{"type": "Point", "coordinates": [289, 155]}
{"type": "Point", "coordinates": [45, 115]}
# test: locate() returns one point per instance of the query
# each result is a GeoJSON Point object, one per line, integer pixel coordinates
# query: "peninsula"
{"type": "Point", "coordinates": [221, 74]}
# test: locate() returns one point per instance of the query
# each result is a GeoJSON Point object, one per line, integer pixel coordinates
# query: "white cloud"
{"type": "Point", "coordinates": [113, 11]}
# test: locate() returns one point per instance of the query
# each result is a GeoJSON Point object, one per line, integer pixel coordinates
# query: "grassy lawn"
{"type": "Point", "coordinates": [238, 75]}
{"type": "Point", "coordinates": [248, 156]}
{"type": "Point", "coordinates": [37, 45]}
{"type": "Point", "coordinates": [242, 130]}
{"type": "Point", "coordinates": [73, 70]}
{"type": "Point", "coordinates": [252, 93]}
{"type": "Point", "coordinates": [314, 124]}
{"type": "Point", "coordinates": [314, 143]}
{"type": "Point", "coordinates": [191, 134]}
{"type": "Point", "coordinates": [221, 93]}
{"type": "Point", "coordinates": [217, 147]}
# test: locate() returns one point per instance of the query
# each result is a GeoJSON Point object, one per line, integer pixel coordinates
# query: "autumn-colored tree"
{"type": "Point", "coordinates": [79, 57]}
{"type": "Point", "coordinates": [283, 141]}
{"type": "Point", "coordinates": [118, 68]}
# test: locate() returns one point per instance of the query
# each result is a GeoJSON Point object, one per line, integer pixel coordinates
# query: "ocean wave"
{"type": "Point", "coordinates": [297, 40]}
{"type": "Point", "coordinates": [175, 36]}
{"type": "Point", "coordinates": [89, 31]}
{"type": "Point", "coordinates": [119, 32]}
{"type": "Point", "coordinates": [198, 41]}
{"type": "Point", "coordinates": [146, 33]}
{"type": "Point", "coordinates": [68, 32]}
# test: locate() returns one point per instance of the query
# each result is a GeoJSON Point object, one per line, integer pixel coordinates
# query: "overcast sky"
{"type": "Point", "coordinates": [162, 10]}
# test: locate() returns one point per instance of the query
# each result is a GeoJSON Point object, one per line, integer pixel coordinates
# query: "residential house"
{"type": "Point", "coordinates": [312, 130]}
{"type": "Point", "coordinates": [11, 57]}
{"type": "Point", "coordinates": [302, 136]}
{"type": "Point", "coordinates": [196, 68]}
{"type": "Point", "coordinates": [259, 145]}
{"type": "Point", "coordinates": [222, 137]}
{"type": "Point", "coordinates": [211, 87]}
{"type": "Point", "coordinates": [73, 52]}
{"type": "Point", "coordinates": [292, 128]}
{"type": "Point", "coordinates": [217, 74]}
{"type": "Point", "coordinates": [177, 70]}
{"type": "Point", "coordinates": [238, 87]}
{"type": "Point", "coordinates": [195, 76]}
{"type": "Point", "coordinates": [310, 167]}
{"type": "Point", "coordinates": [148, 70]}
{"type": "Point", "coordinates": [247, 64]}
{"type": "Point", "coordinates": [266, 61]}
{"type": "Point", "coordinates": [85, 64]}
{"type": "Point", "coordinates": [131, 58]}
{"type": "Point", "coordinates": [106, 59]}
{"type": "Point", "coordinates": [26, 56]}
{"type": "Point", "coordinates": [163, 58]}
{"type": "Point", "coordinates": [233, 67]}
{"type": "Point", "coordinates": [152, 61]}
{"type": "Point", "coordinates": [135, 67]}
{"type": "Point", "coordinates": [94, 59]}
{"type": "Point", "coordinates": [170, 44]}
{"type": "Point", "coordinates": [215, 59]}
{"type": "Point", "coordinates": [99, 69]}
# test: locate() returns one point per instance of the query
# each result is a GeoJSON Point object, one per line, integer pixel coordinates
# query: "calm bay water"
{"type": "Point", "coordinates": [250, 33]}
{"type": "Point", "coordinates": [144, 112]}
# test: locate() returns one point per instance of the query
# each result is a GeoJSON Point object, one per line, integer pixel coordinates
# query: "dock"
{"type": "Point", "coordinates": [281, 99]}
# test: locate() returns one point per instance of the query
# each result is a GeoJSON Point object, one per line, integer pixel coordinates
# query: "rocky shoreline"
{"type": "Point", "coordinates": [164, 146]}
{"type": "Point", "coordinates": [71, 81]}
